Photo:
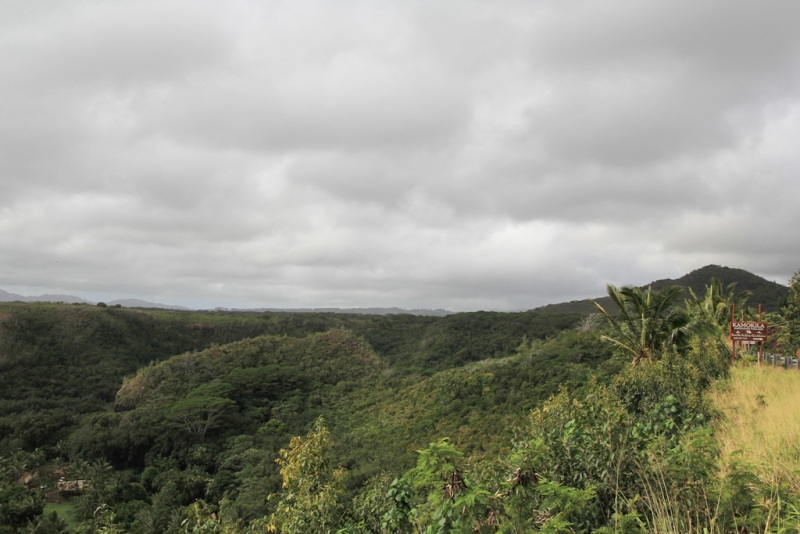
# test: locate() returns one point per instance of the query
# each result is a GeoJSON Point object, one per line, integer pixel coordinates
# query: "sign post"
{"type": "Point", "coordinates": [760, 343]}
{"type": "Point", "coordinates": [747, 331]}
{"type": "Point", "coordinates": [733, 343]}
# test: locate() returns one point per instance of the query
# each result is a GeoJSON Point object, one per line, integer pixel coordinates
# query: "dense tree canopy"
{"type": "Point", "coordinates": [790, 333]}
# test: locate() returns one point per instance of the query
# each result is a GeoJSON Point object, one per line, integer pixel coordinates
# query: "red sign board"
{"type": "Point", "coordinates": [747, 331]}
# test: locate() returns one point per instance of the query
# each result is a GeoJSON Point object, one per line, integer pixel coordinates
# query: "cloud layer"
{"type": "Point", "coordinates": [463, 155]}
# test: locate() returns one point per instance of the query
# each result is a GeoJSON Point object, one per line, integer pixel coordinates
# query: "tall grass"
{"type": "Point", "coordinates": [756, 481]}
{"type": "Point", "coordinates": [760, 422]}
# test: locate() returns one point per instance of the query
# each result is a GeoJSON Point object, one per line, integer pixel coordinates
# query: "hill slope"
{"type": "Point", "coordinates": [60, 361]}
{"type": "Point", "coordinates": [271, 387]}
{"type": "Point", "coordinates": [767, 293]}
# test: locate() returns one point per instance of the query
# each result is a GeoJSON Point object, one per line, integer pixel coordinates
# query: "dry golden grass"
{"type": "Point", "coordinates": [760, 421]}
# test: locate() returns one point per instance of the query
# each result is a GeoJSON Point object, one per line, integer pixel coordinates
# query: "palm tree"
{"type": "Point", "coordinates": [50, 523]}
{"type": "Point", "coordinates": [714, 309]}
{"type": "Point", "coordinates": [647, 321]}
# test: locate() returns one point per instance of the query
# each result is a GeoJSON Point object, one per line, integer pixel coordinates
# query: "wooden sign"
{"type": "Point", "coordinates": [748, 331]}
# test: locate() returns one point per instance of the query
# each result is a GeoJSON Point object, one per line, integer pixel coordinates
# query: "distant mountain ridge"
{"type": "Point", "coordinates": [5, 296]}
{"type": "Point", "coordinates": [765, 292]}
{"type": "Point", "coordinates": [139, 303]}
{"type": "Point", "coordinates": [360, 311]}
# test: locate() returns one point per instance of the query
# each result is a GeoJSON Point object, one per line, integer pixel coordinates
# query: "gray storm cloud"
{"type": "Point", "coordinates": [460, 155]}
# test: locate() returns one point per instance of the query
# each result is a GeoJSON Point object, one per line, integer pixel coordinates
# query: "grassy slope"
{"type": "Point", "coordinates": [759, 424]}
{"type": "Point", "coordinates": [64, 510]}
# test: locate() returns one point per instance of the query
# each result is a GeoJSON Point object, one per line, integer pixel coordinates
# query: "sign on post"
{"type": "Point", "coordinates": [748, 331]}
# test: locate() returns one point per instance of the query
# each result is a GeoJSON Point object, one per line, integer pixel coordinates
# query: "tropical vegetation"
{"type": "Point", "coordinates": [319, 423]}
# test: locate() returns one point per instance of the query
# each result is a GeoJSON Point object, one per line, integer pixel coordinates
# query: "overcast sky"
{"type": "Point", "coordinates": [461, 155]}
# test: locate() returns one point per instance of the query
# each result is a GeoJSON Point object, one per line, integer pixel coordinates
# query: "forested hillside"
{"type": "Point", "coordinates": [386, 384]}
{"type": "Point", "coordinates": [294, 423]}
{"type": "Point", "coordinates": [59, 361]}
{"type": "Point", "coordinates": [767, 293]}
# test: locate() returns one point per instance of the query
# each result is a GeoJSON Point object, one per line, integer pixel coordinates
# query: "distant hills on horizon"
{"type": "Point", "coordinates": [769, 294]}
{"type": "Point", "coordinates": [5, 296]}
{"type": "Point", "coordinates": [361, 311]}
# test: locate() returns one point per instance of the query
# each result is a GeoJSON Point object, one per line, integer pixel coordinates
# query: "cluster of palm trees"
{"type": "Point", "coordinates": [647, 322]}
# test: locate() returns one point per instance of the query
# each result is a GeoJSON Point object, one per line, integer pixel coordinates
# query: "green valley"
{"type": "Point", "coordinates": [174, 421]}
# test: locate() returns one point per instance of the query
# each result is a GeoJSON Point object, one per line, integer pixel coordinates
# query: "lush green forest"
{"type": "Point", "coordinates": [59, 362]}
{"type": "Point", "coordinates": [474, 422]}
